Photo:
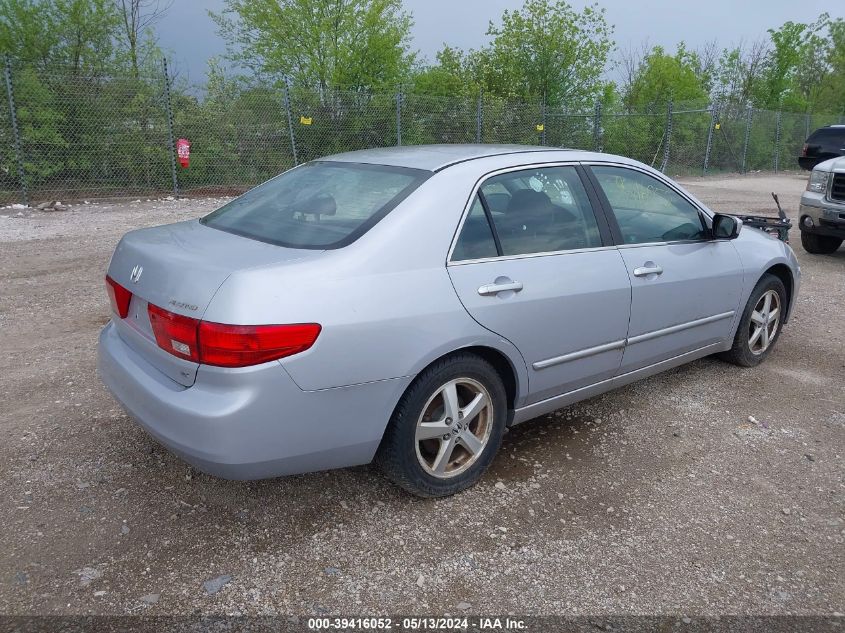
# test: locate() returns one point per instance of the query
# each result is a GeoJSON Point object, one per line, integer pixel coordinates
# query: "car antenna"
{"type": "Point", "coordinates": [780, 210]}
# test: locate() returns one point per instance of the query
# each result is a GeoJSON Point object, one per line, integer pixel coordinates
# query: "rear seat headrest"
{"type": "Point", "coordinates": [528, 201]}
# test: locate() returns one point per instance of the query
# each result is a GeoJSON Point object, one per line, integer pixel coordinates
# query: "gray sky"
{"type": "Point", "coordinates": [191, 37]}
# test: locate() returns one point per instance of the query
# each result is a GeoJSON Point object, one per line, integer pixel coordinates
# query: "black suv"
{"type": "Point", "coordinates": [824, 143]}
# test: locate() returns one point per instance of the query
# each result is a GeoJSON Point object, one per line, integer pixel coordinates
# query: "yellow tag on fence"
{"type": "Point", "coordinates": [540, 127]}
{"type": "Point", "coordinates": [305, 120]}
{"type": "Point", "coordinates": [718, 125]}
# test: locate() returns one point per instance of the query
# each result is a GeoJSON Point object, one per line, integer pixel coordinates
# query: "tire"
{"type": "Point", "coordinates": [820, 244]}
{"type": "Point", "coordinates": [743, 352]}
{"type": "Point", "coordinates": [418, 465]}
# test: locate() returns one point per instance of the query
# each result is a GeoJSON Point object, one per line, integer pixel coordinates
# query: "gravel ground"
{"type": "Point", "coordinates": [662, 497]}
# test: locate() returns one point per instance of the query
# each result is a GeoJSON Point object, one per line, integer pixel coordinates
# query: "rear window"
{"type": "Point", "coordinates": [321, 204]}
{"type": "Point", "coordinates": [827, 134]}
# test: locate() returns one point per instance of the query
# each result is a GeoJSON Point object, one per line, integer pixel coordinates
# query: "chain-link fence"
{"type": "Point", "coordinates": [67, 135]}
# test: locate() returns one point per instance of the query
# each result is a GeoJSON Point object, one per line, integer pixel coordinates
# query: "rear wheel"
{"type": "Point", "coordinates": [446, 428]}
{"type": "Point", "coordinates": [819, 244]}
{"type": "Point", "coordinates": [760, 325]}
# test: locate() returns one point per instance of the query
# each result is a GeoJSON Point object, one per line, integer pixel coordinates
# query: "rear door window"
{"type": "Point", "coordinates": [476, 240]}
{"type": "Point", "coordinates": [540, 210]}
{"type": "Point", "coordinates": [322, 204]}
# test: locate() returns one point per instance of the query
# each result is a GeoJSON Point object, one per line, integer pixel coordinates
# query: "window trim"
{"type": "Point", "coordinates": [599, 212]}
{"type": "Point", "coordinates": [491, 225]}
{"type": "Point", "coordinates": [703, 213]}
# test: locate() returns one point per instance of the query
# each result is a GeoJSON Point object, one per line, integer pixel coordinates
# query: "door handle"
{"type": "Point", "coordinates": [649, 268]}
{"type": "Point", "coordinates": [494, 288]}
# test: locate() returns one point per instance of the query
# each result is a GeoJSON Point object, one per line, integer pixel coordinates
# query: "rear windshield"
{"type": "Point", "coordinates": [321, 204]}
{"type": "Point", "coordinates": [827, 134]}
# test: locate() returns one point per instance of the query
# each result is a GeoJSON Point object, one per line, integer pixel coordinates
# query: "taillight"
{"type": "Point", "coordinates": [225, 345]}
{"type": "Point", "coordinates": [242, 345]}
{"type": "Point", "coordinates": [119, 297]}
{"type": "Point", "coordinates": [175, 333]}
{"type": "Point", "coordinates": [804, 149]}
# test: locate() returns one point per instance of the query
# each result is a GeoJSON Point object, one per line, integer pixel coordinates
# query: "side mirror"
{"type": "Point", "coordinates": [725, 227]}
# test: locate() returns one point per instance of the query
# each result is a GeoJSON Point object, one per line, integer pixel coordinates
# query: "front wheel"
{"type": "Point", "coordinates": [446, 428]}
{"type": "Point", "coordinates": [819, 244]}
{"type": "Point", "coordinates": [760, 325]}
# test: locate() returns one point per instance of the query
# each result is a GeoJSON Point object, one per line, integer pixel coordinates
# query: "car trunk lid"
{"type": "Point", "coordinates": [180, 267]}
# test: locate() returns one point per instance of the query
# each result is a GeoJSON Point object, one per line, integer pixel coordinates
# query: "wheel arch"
{"type": "Point", "coordinates": [783, 272]}
{"type": "Point", "coordinates": [514, 380]}
{"type": "Point", "coordinates": [503, 366]}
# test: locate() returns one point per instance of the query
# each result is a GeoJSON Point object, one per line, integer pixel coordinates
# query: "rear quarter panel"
{"type": "Point", "coordinates": [385, 302]}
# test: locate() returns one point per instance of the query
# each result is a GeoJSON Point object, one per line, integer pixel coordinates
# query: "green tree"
{"type": "Point", "coordinates": [27, 30]}
{"type": "Point", "coordinates": [831, 92]}
{"type": "Point", "coordinates": [450, 76]}
{"type": "Point", "coordinates": [662, 77]}
{"type": "Point", "coordinates": [794, 45]}
{"type": "Point", "coordinates": [739, 73]}
{"type": "Point", "coordinates": [546, 48]}
{"type": "Point", "coordinates": [75, 34]}
{"type": "Point", "coordinates": [137, 18]}
{"type": "Point", "coordinates": [654, 78]}
{"type": "Point", "coordinates": [350, 43]}
{"type": "Point", "coordinates": [85, 117]}
{"type": "Point", "coordinates": [235, 132]}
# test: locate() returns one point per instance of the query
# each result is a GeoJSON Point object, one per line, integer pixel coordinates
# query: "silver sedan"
{"type": "Point", "coordinates": [406, 305]}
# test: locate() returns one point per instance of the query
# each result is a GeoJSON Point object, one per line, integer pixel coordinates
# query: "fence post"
{"type": "Point", "coordinates": [290, 123]}
{"type": "Point", "coordinates": [543, 120]}
{"type": "Point", "coordinates": [748, 116]}
{"type": "Point", "coordinates": [597, 131]}
{"type": "Point", "coordinates": [807, 125]}
{"type": "Point", "coordinates": [169, 106]}
{"type": "Point", "coordinates": [714, 118]}
{"type": "Point", "coordinates": [777, 141]}
{"type": "Point", "coordinates": [668, 136]}
{"type": "Point", "coordinates": [16, 131]}
{"type": "Point", "coordinates": [479, 117]}
{"type": "Point", "coordinates": [399, 117]}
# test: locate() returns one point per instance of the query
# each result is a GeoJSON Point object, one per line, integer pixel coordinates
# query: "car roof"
{"type": "Point", "coordinates": [437, 157]}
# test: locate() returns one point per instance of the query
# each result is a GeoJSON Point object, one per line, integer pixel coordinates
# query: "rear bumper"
{"type": "Point", "coordinates": [249, 423]}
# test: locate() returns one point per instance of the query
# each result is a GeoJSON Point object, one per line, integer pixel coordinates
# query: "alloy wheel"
{"type": "Point", "coordinates": [765, 319]}
{"type": "Point", "coordinates": [454, 428]}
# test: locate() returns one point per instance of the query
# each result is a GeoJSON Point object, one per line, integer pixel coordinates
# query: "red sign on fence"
{"type": "Point", "coordinates": [183, 151]}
